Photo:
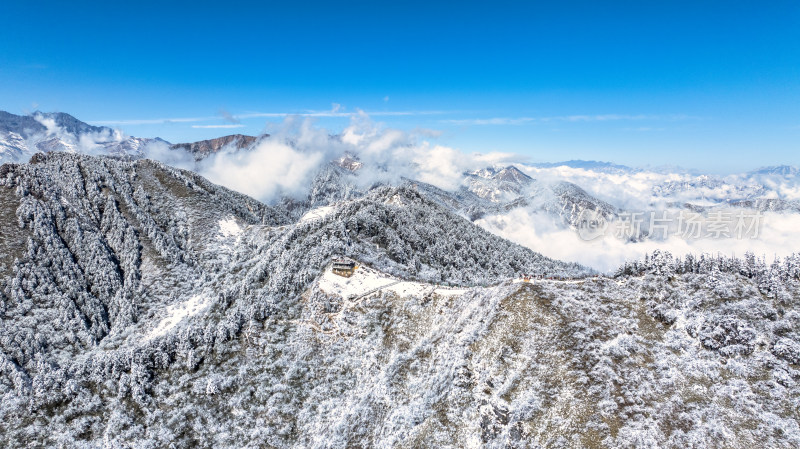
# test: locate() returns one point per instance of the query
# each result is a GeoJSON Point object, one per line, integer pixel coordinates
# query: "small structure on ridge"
{"type": "Point", "coordinates": [343, 267]}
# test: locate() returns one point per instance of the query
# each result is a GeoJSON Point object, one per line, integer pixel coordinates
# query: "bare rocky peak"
{"type": "Point", "coordinates": [203, 148]}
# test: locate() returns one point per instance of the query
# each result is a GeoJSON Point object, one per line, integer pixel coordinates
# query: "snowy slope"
{"type": "Point", "coordinates": [13, 147]}
{"type": "Point", "coordinates": [172, 311]}
{"type": "Point", "coordinates": [143, 306]}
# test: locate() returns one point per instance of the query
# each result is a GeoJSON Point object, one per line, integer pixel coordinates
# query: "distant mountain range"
{"type": "Point", "coordinates": [23, 135]}
{"type": "Point", "coordinates": [487, 191]}
{"type": "Point", "coordinates": [605, 167]}
{"type": "Point", "coordinates": [32, 124]}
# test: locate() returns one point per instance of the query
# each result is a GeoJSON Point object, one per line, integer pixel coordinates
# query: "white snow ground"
{"type": "Point", "coordinates": [229, 227]}
{"type": "Point", "coordinates": [318, 213]}
{"type": "Point", "coordinates": [177, 312]}
{"type": "Point", "coordinates": [366, 279]}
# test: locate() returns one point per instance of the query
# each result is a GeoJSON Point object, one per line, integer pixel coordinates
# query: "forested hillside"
{"type": "Point", "coordinates": [142, 306]}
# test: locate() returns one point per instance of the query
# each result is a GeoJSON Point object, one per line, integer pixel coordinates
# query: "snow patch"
{"type": "Point", "coordinates": [229, 227]}
{"type": "Point", "coordinates": [177, 312]}
{"type": "Point", "coordinates": [365, 280]}
{"type": "Point", "coordinates": [396, 200]}
{"type": "Point", "coordinates": [317, 214]}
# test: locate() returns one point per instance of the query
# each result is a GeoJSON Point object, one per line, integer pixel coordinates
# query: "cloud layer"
{"type": "Point", "coordinates": [285, 163]}
{"type": "Point", "coordinates": [535, 229]}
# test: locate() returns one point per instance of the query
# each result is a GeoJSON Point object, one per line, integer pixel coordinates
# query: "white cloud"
{"type": "Point", "coordinates": [601, 118]}
{"type": "Point", "coordinates": [490, 121]}
{"type": "Point", "coordinates": [154, 121]}
{"type": "Point", "coordinates": [161, 151]}
{"type": "Point", "coordinates": [272, 168]}
{"type": "Point", "coordinates": [427, 132]}
{"type": "Point", "coordinates": [566, 118]}
{"type": "Point", "coordinates": [285, 163]}
{"type": "Point", "coordinates": [89, 143]}
{"type": "Point", "coordinates": [336, 110]}
{"type": "Point", "coordinates": [536, 230]}
{"type": "Point", "coordinates": [230, 126]}
{"type": "Point", "coordinates": [230, 118]}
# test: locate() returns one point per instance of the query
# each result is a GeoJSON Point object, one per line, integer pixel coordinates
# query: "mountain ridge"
{"type": "Point", "coordinates": [146, 306]}
{"type": "Point", "coordinates": [204, 148]}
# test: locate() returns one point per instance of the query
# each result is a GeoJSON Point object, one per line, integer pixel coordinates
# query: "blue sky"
{"type": "Point", "coordinates": [707, 85]}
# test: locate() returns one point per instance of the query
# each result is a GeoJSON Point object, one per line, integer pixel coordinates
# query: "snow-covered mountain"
{"type": "Point", "coordinates": [498, 184]}
{"type": "Point", "coordinates": [498, 190]}
{"type": "Point", "coordinates": [646, 187]}
{"type": "Point", "coordinates": [535, 205]}
{"type": "Point", "coordinates": [143, 306]}
{"type": "Point", "coordinates": [23, 136]}
{"type": "Point", "coordinates": [787, 171]}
